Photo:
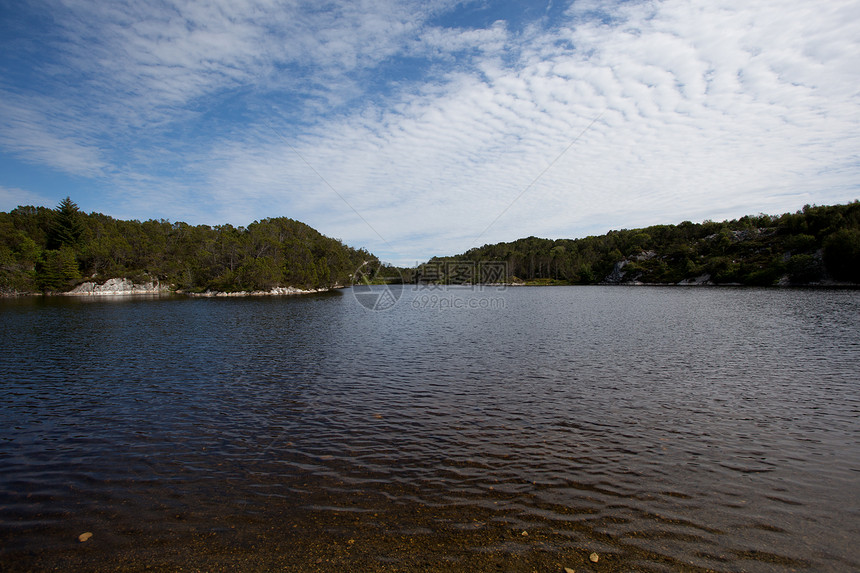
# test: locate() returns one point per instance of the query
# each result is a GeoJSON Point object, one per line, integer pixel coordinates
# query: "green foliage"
{"type": "Point", "coordinates": [18, 256]}
{"type": "Point", "coordinates": [258, 273]}
{"type": "Point", "coordinates": [800, 243]}
{"type": "Point", "coordinates": [51, 250]}
{"type": "Point", "coordinates": [753, 250]}
{"type": "Point", "coordinates": [57, 270]}
{"type": "Point", "coordinates": [842, 254]}
{"type": "Point", "coordinates": [66, 229]}
{"type": "Point", "coordinates": [804, 269]}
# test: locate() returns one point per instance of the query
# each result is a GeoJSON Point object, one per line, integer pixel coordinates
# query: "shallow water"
{"type": "Point", "coordinates": [661, 428]}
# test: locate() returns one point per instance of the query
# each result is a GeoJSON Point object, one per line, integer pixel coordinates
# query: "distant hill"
{"type": "Point", "coordinates": [52, 250]}
{"type": "Point", "coordinates": [817, 245]}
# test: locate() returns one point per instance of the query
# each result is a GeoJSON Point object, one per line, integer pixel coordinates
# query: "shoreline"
{"type": "Point", "coordinates": [123, 287]}
{"type": "Point", "coordinates": [155, 289]}
{"type": "Point", "coordinates": [275, 291]}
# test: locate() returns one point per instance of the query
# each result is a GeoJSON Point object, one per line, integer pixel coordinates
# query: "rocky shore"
{"type": "Point", "coordinates": [276, 291]}
{"type": "Point", "coordinates": [118, 287]}
{"type": "Point", "coordinates": [127, 287]}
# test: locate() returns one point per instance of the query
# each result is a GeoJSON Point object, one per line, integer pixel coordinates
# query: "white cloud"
{"type": "Point", "coordinates": [705, 111]}
{"type": "Point", "coordinates": [696, 121]}
{"type": "Point", "coordinates": [10, 198]}
{"type": "Point", "coordinates": [43, 134]}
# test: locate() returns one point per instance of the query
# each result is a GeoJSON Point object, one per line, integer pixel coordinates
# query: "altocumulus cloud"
{"type": "Point", "coordinates": [442, 124]}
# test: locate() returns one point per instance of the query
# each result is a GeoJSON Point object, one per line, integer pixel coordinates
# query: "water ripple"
{"type": "Point", "coordinates": [665, 429]}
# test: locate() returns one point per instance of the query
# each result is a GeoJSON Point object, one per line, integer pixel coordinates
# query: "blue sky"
{"type": "Point", "coordinates": [425, 128]}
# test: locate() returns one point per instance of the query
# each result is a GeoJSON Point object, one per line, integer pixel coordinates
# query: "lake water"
{"type": "Point", "coordinates": [523, 429]}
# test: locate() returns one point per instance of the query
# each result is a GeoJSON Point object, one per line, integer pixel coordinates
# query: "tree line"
{"type": "Point", "coordinates": [816, 244]}
{"type": "Point", "coordinates": [53, 250]}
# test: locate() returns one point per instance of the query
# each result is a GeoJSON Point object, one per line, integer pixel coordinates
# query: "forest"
{"type": "Point", "coordinates": [52, 250]}
{"type": "Point", "coordinates": [816, 245]}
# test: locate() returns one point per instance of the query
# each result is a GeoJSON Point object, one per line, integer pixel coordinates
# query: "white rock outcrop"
{"type": "Point", "coordinates": [275, 291]}
{"type": "Point", "coordinates": [118, 287]}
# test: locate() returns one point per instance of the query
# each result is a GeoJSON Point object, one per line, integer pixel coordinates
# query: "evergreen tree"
{"type": "Point", "coordinates": [67, 228]}
{"type": "Point", "coordinates": [57, 270]}
{"type": "Point", "coordinates": [50, 249]}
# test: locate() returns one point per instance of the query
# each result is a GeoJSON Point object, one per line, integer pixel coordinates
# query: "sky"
{"type": "Point", "coordinates": [423, 128]}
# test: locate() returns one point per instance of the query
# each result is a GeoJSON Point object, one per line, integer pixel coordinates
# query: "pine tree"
{"type": "Point", "coordinates": [57, 270]}
{"type": "Point", "coordinates": [67, 228]}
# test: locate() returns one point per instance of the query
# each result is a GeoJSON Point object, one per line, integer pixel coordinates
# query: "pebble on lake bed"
{"type": "Point", "coordinates": [569, 570]}
{"type": "Point", "coordinates": [594, 557]}
{"type": "Point", "coordinates": [84, 536]}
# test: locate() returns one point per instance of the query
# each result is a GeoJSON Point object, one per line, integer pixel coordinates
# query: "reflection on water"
{"type": "Point", "coordinates": [661, 428]}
